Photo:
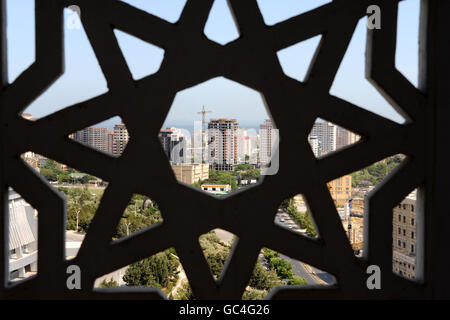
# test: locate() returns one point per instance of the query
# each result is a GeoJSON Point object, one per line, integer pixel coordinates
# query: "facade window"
{"type": "Point", "coordinates": [404, 219]}
{"type": "Point", "coordinates": [399, 218]}
{"type": "Point", "coordinates": [404, 232]}
{"type": "Point", "coordinates": [404, 206]}
{"type": "Point", "coordinates": [412, 208]}
{"type": "Point", "coordinates": [412, 234]}
{"type": "Point", "coordinates": [412, 248]}
{"type": "Point", "coordinates": [399, 230]}
{"type": "Point", "coordinates": [399, 243]}
{"type": "Point", "coordinates": [412, 221]}
{"type": "Point", "coordinates": [404, 244]}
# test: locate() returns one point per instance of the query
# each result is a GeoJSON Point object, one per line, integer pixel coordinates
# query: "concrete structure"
{"type": "Point", "coordinates": [269, 140]}
{"type": "Point", "coordinates": [191, 173]}
{"type": "Point", "coordinates": [120, 138]}
{"type": "Point", "coordinates": [222, 144]}
{"type": "Point", "coordinates": [404, 236]}
{"type": "Point", "coordinates": [22, 237]}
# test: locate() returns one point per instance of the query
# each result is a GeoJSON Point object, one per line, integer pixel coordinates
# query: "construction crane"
{"type": "Point", "coordinates": [203, 113]}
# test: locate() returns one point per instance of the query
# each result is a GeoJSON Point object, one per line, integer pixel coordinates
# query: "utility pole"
{"type": "Point", "coordinates": [78, 211]}
{"type": "Point", "coordinates": [203, 113]}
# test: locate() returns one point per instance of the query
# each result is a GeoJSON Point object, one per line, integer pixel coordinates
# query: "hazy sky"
{"type": "Point", "coordinates": [217, 94]}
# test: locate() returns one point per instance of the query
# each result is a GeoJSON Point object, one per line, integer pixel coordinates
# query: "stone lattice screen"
{"type": "Point", "coordinates": [190, 58]}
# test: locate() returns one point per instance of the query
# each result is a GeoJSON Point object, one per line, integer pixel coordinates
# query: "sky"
{"type": "Point", "coordinates": [223, 97]}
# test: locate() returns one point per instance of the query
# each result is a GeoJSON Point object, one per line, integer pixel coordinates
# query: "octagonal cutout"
{"type": "Point", "coordinates": [219, 137]}
{"type": "Point", "coordinates": [294, 215]}
{"type": "Point", "coordinates": [326, 137]}
{"type": "Point", "coordinates": [273, 269]}
{"type": "Point", "coordinates": [141, 213]}
{"type": "Point", "coordinates": [407, 238]}
{"type": "Point", "coordinates": [162, 271]}
{"type": "Point", "coordinates": [110, 136]}
{"type": "Point", "coordinates": [23, 238]}
{"type": "Point", "coordinates": [82, 192]}
{"type": "Point", "coordinates": [349, 194]}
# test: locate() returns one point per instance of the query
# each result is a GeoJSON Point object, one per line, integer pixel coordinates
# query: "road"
{"type": "Point", "coordinates": [309, 273]}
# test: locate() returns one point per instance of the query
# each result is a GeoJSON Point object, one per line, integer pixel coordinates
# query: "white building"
{"type": "Point", "coordinates": [222, 144]}
{"type": "Point", "coordinates": [314, 142]}
{"type": "Point", "coordinates": [22, 237]}
{"type": "Point", "coordinates": [269, 138]}
{"type": "Point", "coordinates": [325, 132]}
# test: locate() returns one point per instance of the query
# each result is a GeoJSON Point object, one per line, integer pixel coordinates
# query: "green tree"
{"type": "Point", "coordinates": [295, 281]}
{"type": "Point", "coordinates": [155, 271]}
{"type": "Point", "coordinates": [111, 283]}
{"type": "Point", "coordinates": [254, 294]}
{"type": "Point", "coordinates": [184, 293]}
{"type": "Point", "coordinates": [282, 268]}
{"type": "Point", "coordinates": [263, 279]}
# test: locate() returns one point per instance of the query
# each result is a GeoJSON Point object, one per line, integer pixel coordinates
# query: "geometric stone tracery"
{"type": "Point", "coordinates": [190, 58]}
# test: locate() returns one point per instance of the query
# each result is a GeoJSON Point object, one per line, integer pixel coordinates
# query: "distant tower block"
{"type": "Point", "coordinates": [203, 113]}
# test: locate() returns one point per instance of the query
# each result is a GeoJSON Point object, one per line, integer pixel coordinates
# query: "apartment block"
{"type": "Point", "coordinates": [120, 138]}
{"type": "Point", "coordinates": [404, 236]}
{"type": "Point", "coordinates": [269, 140]}
{"type": "Point", "coordinates": [222, 144]}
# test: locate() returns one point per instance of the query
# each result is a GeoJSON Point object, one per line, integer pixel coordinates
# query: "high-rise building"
{"type": "Point", "coordinates": [175, 144]}
{"type": "Point", "coordinates": [268, 139]}
{"type": "Point", "coordinates": [120, 138]}
{"type": "Point", "coordinates": [110, 142]}
{"type": "Point", "coordinates": [314, 142]}
{"type": "Point", "coordinates": [94, 137]}
{"type": "Point", "coordinates": [244, 146]}
{"type": "Point", "coordinates": [222, 143]}
{"type": "Point", "coordinates": [326, 134]}
{"type": "Point", "coordinates": [345, 137]}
